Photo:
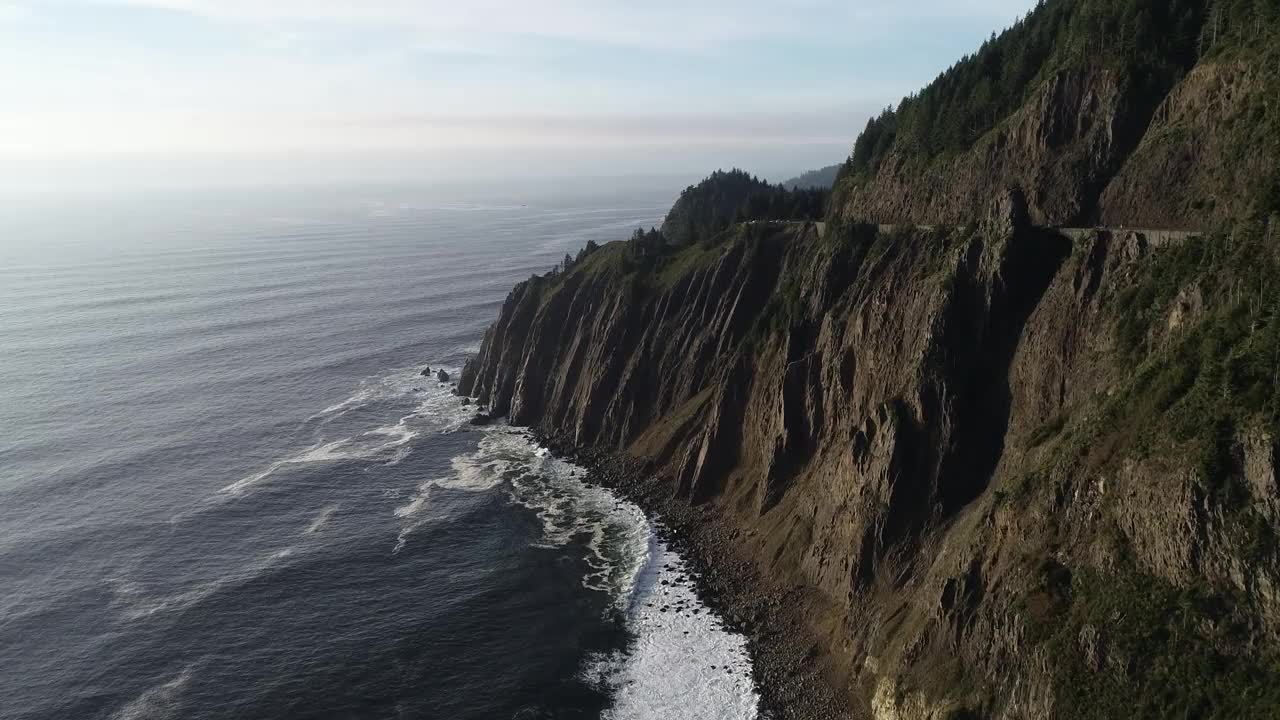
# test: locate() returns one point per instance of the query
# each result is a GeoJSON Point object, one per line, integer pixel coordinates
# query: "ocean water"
{"type": "Point", "coordinates": [226, 491]}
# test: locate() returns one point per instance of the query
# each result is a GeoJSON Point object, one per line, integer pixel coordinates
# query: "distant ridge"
{"type": "Point", "coordinates": [822, 178]}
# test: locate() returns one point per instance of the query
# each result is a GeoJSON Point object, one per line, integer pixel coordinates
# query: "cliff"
{"type": "Point", "coordinates": [724, 198]}
{"type": "Point", "coordinates": [996, 468]}
{"type": "Point", "coordinates": [1121, 112]}
{"type": "Point", "coordinates": [1015, 475]}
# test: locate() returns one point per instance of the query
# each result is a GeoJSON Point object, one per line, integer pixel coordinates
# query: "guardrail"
{"type": "Point", "coordinates": [1154, 236]}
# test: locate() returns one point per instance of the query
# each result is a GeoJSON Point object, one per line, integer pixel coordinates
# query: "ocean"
{"type": "Point", "coordinates": [227, 490]}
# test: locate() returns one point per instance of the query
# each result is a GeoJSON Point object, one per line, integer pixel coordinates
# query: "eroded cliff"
{"type": "Point", "coordinates": [1127, 113]}
{"type": "Point", "coordinates": [1008, 474]}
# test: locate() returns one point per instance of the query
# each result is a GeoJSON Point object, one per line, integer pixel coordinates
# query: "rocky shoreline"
{"type": "Point", "coordinates": [783, 658]}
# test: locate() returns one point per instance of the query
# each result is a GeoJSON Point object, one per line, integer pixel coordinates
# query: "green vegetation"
{"type": "Point", "coordinates": [651, 262]}
{"type": "Point", "coordinates": [672, 267]}
{"type": "Point", "coordinates": [822, 179]}
{"type": "Point", "coordinates": [1122, 642]}
{"type": "Point", "coordinates": [724, 198]}
{"type": "Point", "coordinates": [1047, 432]}
{"type": "Point", "coordinates": [1130, 645]}
{"type": "Point", "coordinates": [785, 308]}
{"type": "Point", "coordinates": [1148, 44]}
{"type": "Point", "coordinates": [1197, 384]}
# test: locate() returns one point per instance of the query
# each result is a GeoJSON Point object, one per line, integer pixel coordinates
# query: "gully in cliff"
{"type": "Point", "coordinates": [976, 449]}
{"type": "Point", "coordinates": [915, 464]}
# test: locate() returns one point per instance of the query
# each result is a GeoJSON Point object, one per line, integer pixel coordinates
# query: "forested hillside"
{"type": "Point", "coordinates": [1058, 102]}
{"type": "Point", "coordinates": [822, 178]}
{"type": "Point", "coordinates": [970, 464]}
{"type": "Point", "coordinates": [724, 198]}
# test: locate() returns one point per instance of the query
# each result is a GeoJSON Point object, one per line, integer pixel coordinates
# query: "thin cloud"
{"type": "Point", "coordinates": [660, 24]}
{"type": "Point", "coordinates": [386, 74]}
{"type": "Point", "coordinates": [12, 12]}
{"type": "Point", "coordinates": [75, 133]}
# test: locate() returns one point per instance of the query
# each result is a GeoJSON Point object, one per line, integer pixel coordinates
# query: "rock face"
{"type": "Point", "coordinates": [1196, 162]}
{"type": "Point", "coordinates": [1061, 147]}
{"type": "Point", "coordinates": [933, 433]}
{"type": "Point", "coordinates": [1086, 149]}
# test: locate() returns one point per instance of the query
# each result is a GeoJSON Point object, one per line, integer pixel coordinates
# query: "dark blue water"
{"type": "Point", "coordinates": [226, 491]}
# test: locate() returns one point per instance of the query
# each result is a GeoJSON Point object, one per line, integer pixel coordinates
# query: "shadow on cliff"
{"type": "Point", "coordinates": [982, 412]}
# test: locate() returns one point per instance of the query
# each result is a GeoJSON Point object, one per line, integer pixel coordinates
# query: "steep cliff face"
{"type": "Point", "coordinates": [998, 462]}
{"type": "Point", "coordinates": [1086, 149]}
{"type": "Point", "coordinates": [1208, 143]}
{"type": "Point", "coordinates": [1128, 113]}
{"type": "Point", "coordinates": [1061, 148]}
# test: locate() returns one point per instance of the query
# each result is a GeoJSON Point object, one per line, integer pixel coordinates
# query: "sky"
{"type": "Point", "coordinates": [314, 88]}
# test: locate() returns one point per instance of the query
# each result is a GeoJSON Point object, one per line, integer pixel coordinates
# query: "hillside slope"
{"type": "Point", "coordinates": [727, 197]}
{"type": "Point", "coordinates": [822, 178]}
{"type": "Point", "coordinates": [1013, 475]}
{"type": "Point", "coordinates": [993, 469]}
{"type": "Point", "coordinates": [1124, 112]}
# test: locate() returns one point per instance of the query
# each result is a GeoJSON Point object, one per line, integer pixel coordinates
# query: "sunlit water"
{"type": "Point", "coordinates": [226, 491]}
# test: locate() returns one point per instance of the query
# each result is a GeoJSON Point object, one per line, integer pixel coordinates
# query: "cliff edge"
{"type": "Point", "coordinates": [995, 468]}
{"type": "Point", "coordinates": [1016, 474]}
{"type": "Point", "coordinates": [1125, 113]}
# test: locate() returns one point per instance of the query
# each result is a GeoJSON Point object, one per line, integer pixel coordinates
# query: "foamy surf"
{"type": "Point", "coordinates": [500, 452]}
{"type": "Point", "coordinates": [135, 602]}
{"type": "Point", "coordinates": [435, 409]}
{"type": "Point", "coordinates": [162, 701]}
{"type": "Point", "coordinates": [321, 520]}
{"type": "Point", "coordinates": [616, 533]}
{"type": "Point", "coordinates": [682, 661]}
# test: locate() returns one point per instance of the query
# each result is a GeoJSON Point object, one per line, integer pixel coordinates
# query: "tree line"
{"type": "Point", "coordinates": [1150, 44]}
{"type": "Point", "coordinates": [728, 197]}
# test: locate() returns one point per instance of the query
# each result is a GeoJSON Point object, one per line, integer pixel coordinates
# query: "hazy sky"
{"type": "Point", "coordinates": [564, 85]}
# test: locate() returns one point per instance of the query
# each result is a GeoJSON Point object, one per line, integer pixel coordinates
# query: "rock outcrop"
{"type": "Point", "coordinates": [1124, 113]}
{"type": "Point", "coordinates": [1060, 148]}
{"type": "Point", "coordinates": [1086, 152]}
{"type": "Point", "coordinates": [999, 469]}
{"type": "Point", "coordinates": [939, 435]}
{"type": "Point", "coordinates": [1200, 155]}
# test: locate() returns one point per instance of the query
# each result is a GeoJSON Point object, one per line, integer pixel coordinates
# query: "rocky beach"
{"type": "Point", "coordinates": [726, 580]}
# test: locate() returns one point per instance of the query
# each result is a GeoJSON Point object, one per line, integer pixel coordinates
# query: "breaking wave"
{"type": "Point", "coordinates": [162, 701]}
{"type": "Point", "coordinates": [682, 662]}
{"type": "Point", "coordinates": [433, 408]}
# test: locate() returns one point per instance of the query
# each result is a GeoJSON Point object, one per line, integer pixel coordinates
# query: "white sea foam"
{"type": "Point", "coordinates": [616, 532]}
{"type": "Point", "coordinates": [395, 383]}
{"type": "Point", "coordinates": [136, 603]}
{"type": "Point", "coordinates": [437, 410]}
{"type": "Point", "coordinates": [324, 452]}
{"type": "Point", "coordinates": [499, 453]}
{"type": "Point", "coordinates": [321, 519]}
{"type": "Point", "coordinates": [355, 401]}
{"type": "Point", "coordinates": [683, 663]}
{"type": "Point", "coordinates": [148, 606]}
{"type": "Point", "coordinates": [482, 470]}
{"type": "Point", "coordinates": [155, 703]}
